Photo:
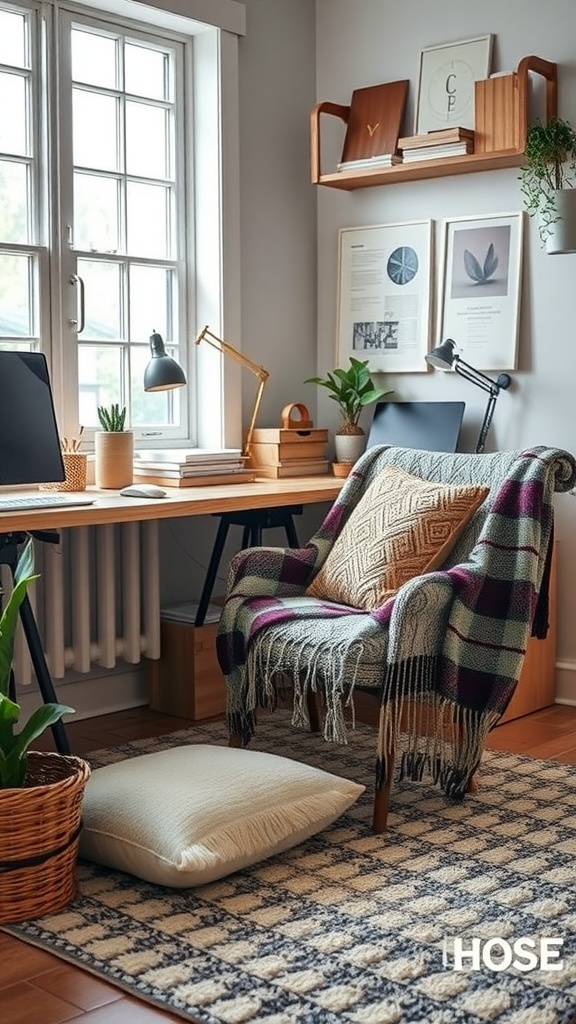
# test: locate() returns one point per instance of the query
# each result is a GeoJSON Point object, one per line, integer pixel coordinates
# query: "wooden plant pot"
{"type": "Point", "coordinates": [114, 458]}
{"type": "Point", "coordinates": [39, 837]}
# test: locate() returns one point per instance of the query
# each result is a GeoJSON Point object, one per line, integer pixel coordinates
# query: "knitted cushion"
{"type": "Point", "coordinates": [402, 527]}
{"type": "Point", "coordinates": [192, 814]}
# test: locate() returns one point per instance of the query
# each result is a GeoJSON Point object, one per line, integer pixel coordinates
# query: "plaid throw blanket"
{"type": "Point", "coordinates": [446, 652]}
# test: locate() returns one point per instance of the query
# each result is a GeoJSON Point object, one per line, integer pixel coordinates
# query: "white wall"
{"type": "Point", "coordinates": [371, 41]}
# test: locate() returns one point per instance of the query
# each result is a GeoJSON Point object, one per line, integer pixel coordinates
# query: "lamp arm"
{"type": "Point", "coordinates": [222, 346]}
{"type": "Point", "coordinates": [487, 421]}
{"type": "Point", "coordinates": [473, 375]}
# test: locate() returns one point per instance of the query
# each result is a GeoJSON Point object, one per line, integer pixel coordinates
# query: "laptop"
{"type": "Point", "coordinates": [429, 426]}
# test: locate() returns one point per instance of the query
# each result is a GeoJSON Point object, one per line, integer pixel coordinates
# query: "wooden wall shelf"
{"type": "Point", "coordinates": [500, 133]}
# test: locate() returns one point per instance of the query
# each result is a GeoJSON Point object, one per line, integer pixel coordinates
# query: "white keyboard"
{"type": "Point", "coordinates": [56, 500]}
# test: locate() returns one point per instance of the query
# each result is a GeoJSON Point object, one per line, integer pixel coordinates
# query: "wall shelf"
{"type": "Point", "coordinates": [499, 134]}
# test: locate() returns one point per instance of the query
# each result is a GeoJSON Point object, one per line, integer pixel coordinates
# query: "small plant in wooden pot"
{"type": "Point", "coordinates": [547, 178]}
{"type": "Point", "coordinates": [113, 449]}
{"type": "Point", "coordinates": [40, 794]}
{"type": "Point", "coordinates": [352, 390]}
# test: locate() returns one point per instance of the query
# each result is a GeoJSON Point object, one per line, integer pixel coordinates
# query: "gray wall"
{"type": "Point", "coordinates": [370, 41]}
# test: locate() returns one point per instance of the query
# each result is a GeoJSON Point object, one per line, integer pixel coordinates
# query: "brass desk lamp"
{"type": "Point", "coordinates": [222, 346]}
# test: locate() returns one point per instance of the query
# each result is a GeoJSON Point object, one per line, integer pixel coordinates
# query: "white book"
{"type": "Point", "coordinates": [181, 455]}
{"type": "Point", "coordinates": [435, 152]}
{"type": "Point", "coordinates": [179, 472]}
{"type": "Point", "coordinates": [369, 163]}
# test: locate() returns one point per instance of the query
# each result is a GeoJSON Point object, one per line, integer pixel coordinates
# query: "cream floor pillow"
{"type": "Point", "coordinates": [192, 814]}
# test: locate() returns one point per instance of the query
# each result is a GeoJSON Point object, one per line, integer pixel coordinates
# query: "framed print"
{"type": "Point", "coordinates": [481, 276]}
{"type": "Point", "coordinates": [446, 83]}
{"type": "Point", "coordinates": [384, 275]}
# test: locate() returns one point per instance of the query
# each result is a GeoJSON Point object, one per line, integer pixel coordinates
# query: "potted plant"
{"type": "Point", "coordinates": [114, 448]}
{"type": "Point", "coordinates": [547, 178]}
{"type": "Point", "coordinates": [352, 390]}
{"type": "Point", "coordinates": [40, 794]}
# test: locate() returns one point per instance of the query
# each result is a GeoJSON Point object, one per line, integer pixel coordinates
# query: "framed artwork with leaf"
{"type": "Point", "coordinates": [480, 286]}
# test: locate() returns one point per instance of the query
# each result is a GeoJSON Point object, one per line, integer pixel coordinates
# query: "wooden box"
{"type": "Point", "coordinates": [281, 452]}
{"type": "Point", "coordinates": [499, 121]}
{"type": "Point", "coordinates": [186, 680]}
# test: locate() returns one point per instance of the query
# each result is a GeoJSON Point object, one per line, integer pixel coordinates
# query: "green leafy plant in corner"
{"type": "Point", "coordinates": [550, 165]}
{"type": "Point", "coordinates": [14, 745]}
{"type": "Point", "coordinates": [480, 272]}
{"type": "Point", "coordinates": [112, 418]}
{"type": "Point", "coordinates": [352, 390]}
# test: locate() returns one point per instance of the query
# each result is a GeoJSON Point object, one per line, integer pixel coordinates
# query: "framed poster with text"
{"type": "Point", "coordinates": [479, 304]}
{"type": "Point", "coordinates": [384, 293]}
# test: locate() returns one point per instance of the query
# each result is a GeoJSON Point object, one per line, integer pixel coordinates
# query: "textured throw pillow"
{"type": "Point", "coordinates": [192, 814]}
{"type": "Point", "coordinates": [402, 527]}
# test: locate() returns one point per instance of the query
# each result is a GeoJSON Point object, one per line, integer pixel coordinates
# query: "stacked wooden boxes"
{"type": "Point", "coordinates": [296, 448]}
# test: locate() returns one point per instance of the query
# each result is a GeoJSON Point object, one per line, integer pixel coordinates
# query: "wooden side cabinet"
{"type": "Point", "coordinates": [537, 684]}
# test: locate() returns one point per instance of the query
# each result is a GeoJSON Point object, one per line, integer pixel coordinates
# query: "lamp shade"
{"type": "Point", "coordinates": [442, 357]}
{"type": "Point", "coordinates": [162, 372]}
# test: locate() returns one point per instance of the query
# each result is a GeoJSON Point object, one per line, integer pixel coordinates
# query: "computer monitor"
{"type": "Point", "coordinates": [30, 451]}
{"type": "Point", "coordinates": [430, 426]}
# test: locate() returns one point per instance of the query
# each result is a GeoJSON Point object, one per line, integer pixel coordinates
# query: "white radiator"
{"type": "Point", "coordinates": [97, 599]}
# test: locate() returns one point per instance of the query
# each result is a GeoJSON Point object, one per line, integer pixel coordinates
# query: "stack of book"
{"type": "Point", "coordinates": [191, 467]}
{"type": "Point", "coordinates": [434, 145]}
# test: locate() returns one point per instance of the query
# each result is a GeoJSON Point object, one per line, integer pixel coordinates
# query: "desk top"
{"type": "Point", "coordinates": [110, 507]}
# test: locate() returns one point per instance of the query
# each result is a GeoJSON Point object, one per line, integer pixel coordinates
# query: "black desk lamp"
{"type": "Point", "coordinates": [445, 356]}
{"type": "Point", "coordinates": [162, 373]}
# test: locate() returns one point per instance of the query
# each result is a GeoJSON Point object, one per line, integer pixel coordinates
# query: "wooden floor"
{"type": "Point", "coordinates": [37, 988]}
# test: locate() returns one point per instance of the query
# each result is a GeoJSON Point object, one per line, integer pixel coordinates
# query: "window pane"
{"type": "Point", "coordinates": [153, 408]}
{"type": "Point", "coordinates": [151, 301]}
{"type": "Point", "coordinates": [15, 295]}
{"type": "Point", "coordinates": [94, 59]}
{"type": "Point", "coordinates": [145, 72]}
{"type": "Point", "coordinates": [13, 117]}
{"type": "Point", "coordinates": [146, 140]}
{"type": "Point", "coordinates": [102, 300]}
{"type": "Point", "coordinates": [12, 39]}
{"type": "Point", "coordinates": [100, 378]}
{"type": "Point", "coordinates": [13, 202]}
{"type": "Point", "coordinates": [96, 213]}
{"type": "Point", "coordinates": [95, 123]}
{"type": "Point", "coordinates": [147, 220]}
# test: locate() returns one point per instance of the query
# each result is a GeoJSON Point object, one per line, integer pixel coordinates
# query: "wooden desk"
{"type": "Point", "coordinates": [110, 507]}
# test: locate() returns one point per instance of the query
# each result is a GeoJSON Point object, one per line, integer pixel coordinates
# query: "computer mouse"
{"type": "Point", "coordinates": [142, 491]}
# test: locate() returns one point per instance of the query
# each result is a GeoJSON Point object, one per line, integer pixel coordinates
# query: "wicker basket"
{"type": "Point", "coordinates": [39, 837]}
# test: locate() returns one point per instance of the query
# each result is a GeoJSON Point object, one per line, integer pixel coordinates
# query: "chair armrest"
{"type": "Point", "coordinates": [269, 571]}
{"type": "Point", "coordinates": [418, 615]}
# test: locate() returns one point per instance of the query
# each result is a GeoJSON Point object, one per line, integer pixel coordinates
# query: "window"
{"type": "Point", "coordinates": [98, 207]}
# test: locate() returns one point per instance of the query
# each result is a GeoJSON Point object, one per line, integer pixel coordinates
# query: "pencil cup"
{"type": "Point", "coordinates": [75, 470]}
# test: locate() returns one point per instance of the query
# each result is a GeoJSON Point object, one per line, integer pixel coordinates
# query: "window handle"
{"type": "Point", "coordinates": [81, 323]}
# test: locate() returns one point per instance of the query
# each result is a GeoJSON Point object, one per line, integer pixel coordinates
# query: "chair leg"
{"type": "Point", "coordinates": [382, 799]}
{"type": "Point", "coordinates": [472, 786]}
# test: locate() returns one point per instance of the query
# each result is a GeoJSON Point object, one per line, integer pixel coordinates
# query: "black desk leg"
{"type": "Point", "coordinates": [212, 571]}
{"type": "Point", "coordinates": [43, 676]}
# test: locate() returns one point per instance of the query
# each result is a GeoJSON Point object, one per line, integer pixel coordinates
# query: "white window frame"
{"type": "Point", "coordinates": [212, 27]}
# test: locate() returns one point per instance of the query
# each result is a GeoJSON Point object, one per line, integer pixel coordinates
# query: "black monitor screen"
{"type": "Point", "coordinates": [429, 426]}
{"type": "Point", "coordinates": [30, 450]}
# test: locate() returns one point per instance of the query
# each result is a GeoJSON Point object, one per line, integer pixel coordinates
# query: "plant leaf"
{"type": "Point", "coordinates": [490, 262]}
{"type": "Point", "coordinates": [472, 266]}
{"type": "Point", "coordinates": [40, 719]}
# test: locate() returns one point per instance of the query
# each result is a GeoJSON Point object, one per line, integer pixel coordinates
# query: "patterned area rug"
{"type": "Point", "coordinates": [350, 926]}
